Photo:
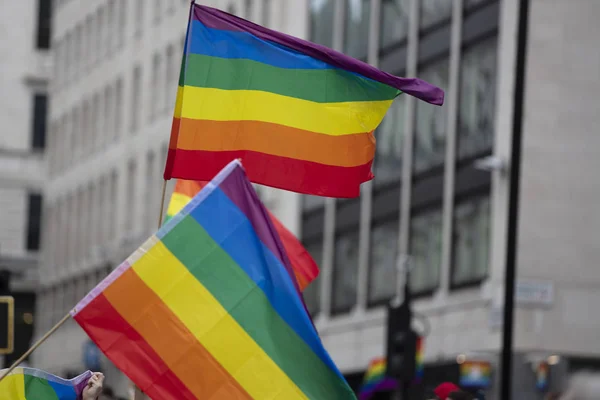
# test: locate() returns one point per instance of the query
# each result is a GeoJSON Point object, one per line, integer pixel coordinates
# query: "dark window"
{"type": "Point", "coordinates": [390, 144]}
{"type": "Point", "coordinates": [34, 222]}
{"type": "Point", "coordinates": [425, 249]}
{"type": "Point", "coordinates": [434, 12]}
{"type": "Point", "coordinates": [471, 240]}
{"type": "Point", "coordinates": [477, 99]}
{"type": "Point", "coordinates": [384, 252]}
{"type": "Point", "coordinates": [345, 271]}
{"type": "Point", "coordinates": [312, 294]}
{"type": "Point", "coordinates": [356, 32]}
{"type": "Point", "coordinates": [40, 116]}
{"type": "Point", "coordinates": [231, 9]}
{"type": "Point", "coordinates": [395, 16]}
{"type": "Point", "coordinates": [430, 128]}
{"type": "Point", "coordinates": [44, 24]}
{"type": "Point", "coordinates": [321, 21]}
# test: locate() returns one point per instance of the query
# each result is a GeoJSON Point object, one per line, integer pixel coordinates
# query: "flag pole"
{"type": "Point", "coordinates": [35, 346]}
{"type": "Point", "coordinates": [162, 203]}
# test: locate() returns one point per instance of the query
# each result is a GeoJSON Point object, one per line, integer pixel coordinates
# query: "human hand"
{"type": "Point", "coordinates": [94, 387]}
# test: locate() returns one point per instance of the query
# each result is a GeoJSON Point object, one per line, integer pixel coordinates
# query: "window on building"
{"type": "Point", "coordinates": [131, 189]}
{"type": "Point", "coordinates": [170, 81]}
{"type": "Point", "coordinates": [312, 294]}
{"type": "Point", "coordinates": [87, 125]}
{"type": "Point", "coordinates": [78, 48]}
{"type": "Point", "coordinates": [139, 20]}
{"type": "Point", "coordinates": [356, 32]}
{"type": "Point", "coordinates": [68, 57]}
{"type": "Point", "coordinates": [100, 33]}
{"type": "Point", "coordinates": [395, 19]}
{"type": "Point", "coordinates": [122, 22]}
{"type": "Point", "coordinates": [477, 99]}
{"type": "Point", "coordinates": [430, 131]}
{"type": "Point", "coordinates": [102, 210]}
{"type": "Point", "coordinates": [434, 12]}
{"type": "Point", "coordinates": [156, 88]}
{"type": "Point", "coordinates": [249, 8]}
{"type": "Point", "coordinates": [136, 96]}
{"type": "Point", "coordinates": [231, 9]}
{"type": "Point", "coordinates": [321, 21]}
{"type": "Point", "coordinates": [34, 220]}
{"type": "Point", "coordinates": [382, 262]}
{"type": "Point", "coordinates": [44, 24]}
{"type": "Point", "coordinates": [390, 139]}
{"type": "Point", "coordinates": [149, 222]}
{"type": "Point", "coordinates": [39, 121]}
{"type": "Point", "coordinates": [109, 109]}
{"type": "Point", "coordinates": [118, 109]}
{"type": "Point", "coordinates": [75, 133]}
{"type": "Point", "coordinates": [91, 40]}
{"type": "Point", "coordinates": [112, 29]}
{"type": "Point", "coordinates": [95, 124]}
{"type": "Point", "coordinates": [471, 240]}
{"type": "Point", "coordinates": [113, 198]}
{"type": "Point", "coordinates": [266, 12]}
{"type": "Point", "coordinates": [425, 250]}
{"type": "Point", "coordinates": [158, 5]}
{"type": "Point", "coordinates": [345, 271]}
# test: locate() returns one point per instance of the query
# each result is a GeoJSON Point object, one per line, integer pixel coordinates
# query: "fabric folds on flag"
{"type": "Point", "coordinates": [35, 384]}
{"type": "Point", "coordinates": [208, 308]}
{"type": "Point", "coordinates": [304, 266]}
{"type": "Point", "coordinates": [299, 115]}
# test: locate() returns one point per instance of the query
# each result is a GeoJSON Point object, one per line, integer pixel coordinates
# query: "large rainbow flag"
{"type": "Point", "coordinates": [304, 266]}
{"type": "Point", "coordinates": [209, 308]}
{"type": "Point", "coordinates": [279, 103]}
{"type": "Point", "coordinates": [35, 384]}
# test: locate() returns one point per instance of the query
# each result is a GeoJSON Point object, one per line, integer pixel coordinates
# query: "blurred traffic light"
{"type": "Point", "coordinates": [401, 340]}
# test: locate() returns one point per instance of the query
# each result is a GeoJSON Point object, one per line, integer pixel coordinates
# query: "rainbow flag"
{"type": "Point", "coordinates": [280, 104]}
{"type": "Point", "coordinates": [541, 376]}
{"type": "Point", "coordinates": [304, 266]}
{"type": "Point", "coordinates": [475, 374]}
{"type": "Point", "coordinates": [35, 384]}
{"type": "Point", "coordinates": [375, 380]}
{"type": "Point", "coordinates": [420, 360]}
{"type": "Point", "coordinates": [208, 307]}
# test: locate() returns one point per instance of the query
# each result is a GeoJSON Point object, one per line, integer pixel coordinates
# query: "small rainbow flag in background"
{"type": "Point", "coordinates": [35, 384]}
{"type": "Point", "coordinates": [475, 374]}
{"type": "Point", "coordinates": [279, 103]}
{"type": "Point", "coordinates": [209, 308]}
{"type": "Point", "coordinates": [375, 380]}
{"type": "Point", "coordinates": [541, 375]}
{"type": "Point", "coordinates": [304, 266]}
{"type": "Point", "coordinates": [419, 364]}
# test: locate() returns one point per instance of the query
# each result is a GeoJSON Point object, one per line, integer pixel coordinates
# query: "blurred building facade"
{"type": "Point", "coordinates": [114, 81]}
{"type": "Point", "coordinates": [24, 73]}
{"type": "Point", "coordinates": [440, 196]}
{"type": "Point", "coordinates": [115, 71]}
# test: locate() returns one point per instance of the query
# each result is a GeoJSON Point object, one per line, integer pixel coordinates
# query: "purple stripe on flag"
{"type": "Point", "coordinates": [248, 202]}
{"type": "Point", "coordinates": [218, 19]}
{"type": "Point", "coordinates": [386, 384]}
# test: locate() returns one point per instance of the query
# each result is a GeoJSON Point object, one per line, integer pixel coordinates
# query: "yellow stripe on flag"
{"type": "Point", "coordinates": [213, 326]}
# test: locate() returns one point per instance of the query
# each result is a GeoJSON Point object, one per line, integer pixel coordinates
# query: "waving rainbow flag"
{"type": "Point", "coordinates": [279, 103]}
{"type": "Point", "coordinates": [304, 266]}
{"type": "Point", "coordinates": [208, 307]}
{"type": "Point", "coordinates": [35, 384]}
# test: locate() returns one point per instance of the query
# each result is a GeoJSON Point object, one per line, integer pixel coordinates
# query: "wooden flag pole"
{"type": "Point", "coordinates": [36, 345]}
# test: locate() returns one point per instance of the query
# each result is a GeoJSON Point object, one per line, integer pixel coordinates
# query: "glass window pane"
{"type": "Point", "coordinates": [356, 33]}
{"type": "Point", "coordinates": [312, 202]}
{"type": "Point", "coordinates": [390, 138]}
{"type": "Point", "coordinates": [345, 270]}
{"type": "Point", "coordinates": [312, 293]}
{"type": "Point", "coordinates": [434, 11]}
{"type": "Point", "coordinates": [382, 271]}
{"type": "Point", "coordinates": [477, 99]}
{"type": "Point", "coordinates": [430, 136]}
{"type": "Point", "coordinates": [321, 21]}
{"type": "Point", "coordinates": [394, 21]}
{"type": "Point", "coordinates": [471, 240]}
{"type": "Point", "coordinates": [425, 250]}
